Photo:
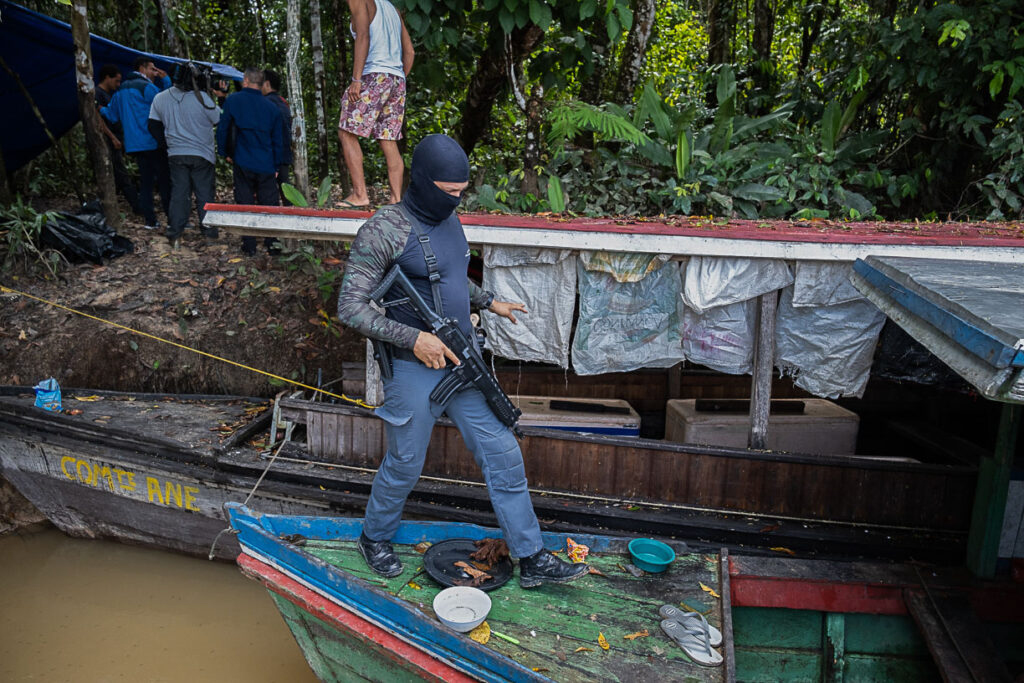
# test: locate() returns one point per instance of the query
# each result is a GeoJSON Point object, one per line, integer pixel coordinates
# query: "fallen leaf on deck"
{"type": "Point", "coordinates": [234, 260]}
{"type": "Point", "coordinates": [415, 586]}
{"type": "Point", "coordinates": [88, 398]}
{"type": "Point", "coordinates": [780, 549]}
{"type": "Point", "coordinates": [769, 528]}
{"type": "Point", "coordinates": [638, 634]}
{"type": "Point", "coordinates": [603, 642]}
{"type": "Point", "coordinates": [74, 411]}
{"type": "Point", "coordinates": [595, 570]}
{"type": "Point", "coordinates": [658, 650]}
{"type": "Point", "coordinates": [540, 669]}
{"type": "Point", "coordinates": [481, 633]}
{"type": "Point", "coordinates": [584, 649]}
{"type": "Point", "coordinates": [421, 547]}
{"type": "Point", "coordinates": [709, 590]}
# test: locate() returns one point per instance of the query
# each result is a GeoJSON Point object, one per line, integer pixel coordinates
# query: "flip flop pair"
{"type": "Point", "coordinates": [692, 632]}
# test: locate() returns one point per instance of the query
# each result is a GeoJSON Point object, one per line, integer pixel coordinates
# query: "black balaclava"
{"type": "Point", "coordinates": [437, 157]}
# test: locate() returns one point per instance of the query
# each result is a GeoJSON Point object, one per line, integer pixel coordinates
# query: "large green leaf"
{"type": "Point", "coordinates": [682, 154]}
{"type": "Point", "coordinates": [507, 20]}
{"type": "Point", "coordinates": [540, 14]}
{"type": "Point", "coordinates": [757, 192]}
{"type": "Point", "coordinates": [292, 194]}
{"type": "Point", "coordinates": [324, 192]}
{"type": "Point", "coordinates": [651, 106]}
{"type": "Point", "coordinates": [831, 122]}
{"type": "Point", "coordinates": [556, 197]}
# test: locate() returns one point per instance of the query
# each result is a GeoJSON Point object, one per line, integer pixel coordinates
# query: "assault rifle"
{"type": "Point", "coordinates": [472, 372]}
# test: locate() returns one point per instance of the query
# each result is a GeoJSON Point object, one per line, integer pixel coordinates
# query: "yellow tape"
{"type": "Point", "coordinates": [343, 397]}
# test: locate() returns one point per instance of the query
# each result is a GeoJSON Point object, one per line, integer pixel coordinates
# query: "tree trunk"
{"type": "Point", "coordinates": [531, 150]}
{"type": "Point", "coordinates": [341, 22]}
{"type": "Point", "coordinates": [320, 86]}
{"type": "Point", "coordinates": [172, 38]}
{"type": "Point", "coordinates": [300, 165]}
{"type": "Point", "coordinates": [634, 51]}
{"type": "Point", "coordinates": [592, 90]}
{"type": "Point", "coordinates": [262, 23]}
{"type": "Point", "coordinates": [764, 31]}
{"type": "Point", "coordinates": [494, 71]}
{"type": "Point", "coordinates": [811, 29]}
{"type": "Point", "coordinates": [721, 24]}
{"type": "Point", "coordinates": [86, 89]}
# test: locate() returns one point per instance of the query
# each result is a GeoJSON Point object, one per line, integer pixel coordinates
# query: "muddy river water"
{"type": "Point", "coordinates": [81, 611]}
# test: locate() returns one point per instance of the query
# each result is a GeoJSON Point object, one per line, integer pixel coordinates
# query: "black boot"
{"type": "Point", "coordinates": [379, 556]}
{"type": "Point", "coordinates": [543, 567]}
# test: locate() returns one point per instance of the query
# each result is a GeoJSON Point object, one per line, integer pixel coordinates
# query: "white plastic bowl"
{"type": "Point", "coordinates": [462, 608]}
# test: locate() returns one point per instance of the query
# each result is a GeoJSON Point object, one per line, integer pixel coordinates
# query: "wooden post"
{"type": "Point", "coordinates": [761, 379]}
{"type": "Point", "coordinates": [91, 124]}
{"type": "Point", "coordinates": [990, 495]}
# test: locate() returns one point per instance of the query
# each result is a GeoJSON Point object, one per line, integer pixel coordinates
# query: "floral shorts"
{"type": "Point", "coordinates": [379, 110]}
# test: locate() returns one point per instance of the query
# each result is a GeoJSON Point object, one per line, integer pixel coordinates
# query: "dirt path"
{"type": "Point", "coordinates": [264, 311]}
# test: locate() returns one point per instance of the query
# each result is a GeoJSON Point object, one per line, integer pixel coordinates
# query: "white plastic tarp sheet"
{"type": "Point", "coordinates": [721, 338]}
{"type": "Point", "coordinates": [627, 325]}
{"type": "Point", "coordinates": [823, 283]}
{"type": "Point", "coordinates": [712, 281]}
{"type": "Point", "coordinates": [827, 349]}
{"type": "Point", "coordinates": [545, 281]}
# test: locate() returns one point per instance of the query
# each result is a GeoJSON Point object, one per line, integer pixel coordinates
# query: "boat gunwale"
{"type": "Point", "coordinates": [363, 597]}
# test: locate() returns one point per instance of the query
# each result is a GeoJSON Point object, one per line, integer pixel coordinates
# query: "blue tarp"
{"type": "Point", "coordinates": [41, 51]}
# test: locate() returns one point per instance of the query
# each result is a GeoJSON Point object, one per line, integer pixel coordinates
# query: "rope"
{"type": "Point", "coordinates": [343, 397]}
{"type": "Point", "coordinates": [229, 530]}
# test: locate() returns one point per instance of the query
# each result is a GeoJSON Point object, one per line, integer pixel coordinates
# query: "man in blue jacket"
{"type": "Point", "coordinates": [271, 85]}
{"type": "Point", "coordinates": [130, 107]}
{"type": "Point", "coordinates": [249, 137]}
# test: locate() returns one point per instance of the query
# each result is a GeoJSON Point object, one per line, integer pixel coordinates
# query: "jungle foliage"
{"type": "Point", "coordinates": [797, 108]}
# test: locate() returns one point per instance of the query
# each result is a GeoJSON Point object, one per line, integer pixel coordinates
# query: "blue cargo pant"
{"type": "Point", "coordinates": [409, 419]}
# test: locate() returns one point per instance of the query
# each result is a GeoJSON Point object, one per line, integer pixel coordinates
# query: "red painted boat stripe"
{"type": "Point", "coordinates": [864, 232]}
{"type": "Point", "coordinates": [341, 618]}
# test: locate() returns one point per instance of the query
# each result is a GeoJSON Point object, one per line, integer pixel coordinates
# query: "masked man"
{"type": "Point", "coordinates": [440, 174]}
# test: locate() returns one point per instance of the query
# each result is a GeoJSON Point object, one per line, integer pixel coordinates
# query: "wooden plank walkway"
{"type": "Point", "coordinates": [557, 626]}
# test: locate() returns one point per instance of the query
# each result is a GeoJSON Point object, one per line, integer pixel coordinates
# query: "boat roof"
{"type": "Point", "coordinates": [678, 235]}
{"type": "Point", "coordinates": [969, 314]}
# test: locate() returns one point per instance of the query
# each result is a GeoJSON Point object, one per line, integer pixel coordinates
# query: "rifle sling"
{"type": "Point", "coordinates": [433, 274]}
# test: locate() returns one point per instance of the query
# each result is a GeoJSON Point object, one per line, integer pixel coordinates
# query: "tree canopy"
{"type": "Point", "coordinates": [781, 108]}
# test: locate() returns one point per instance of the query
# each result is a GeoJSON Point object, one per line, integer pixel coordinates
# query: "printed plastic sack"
{"type": "Point", "coordinates": [85, 237]}
{"type": "Point", "coordinates": [48, 395]}
{"type": "Point", "coordinates": [627, 325]}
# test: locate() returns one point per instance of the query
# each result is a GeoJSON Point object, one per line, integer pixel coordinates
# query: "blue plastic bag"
{"type": "Point", "coordinates": [48, 395]}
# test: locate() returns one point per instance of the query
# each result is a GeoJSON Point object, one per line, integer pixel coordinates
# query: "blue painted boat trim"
{"type": "Point", "coordinates": [976, 341]}
{"type": "Point", "coordinates": [259, 535]}
{"type": "Point", "coordinates": [409, 533]}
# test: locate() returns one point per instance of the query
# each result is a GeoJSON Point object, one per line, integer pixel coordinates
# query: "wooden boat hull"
{"type": "Point", "coordinates": [844, 489]}
{"type": "Point", "coordinates": [784, 619]}
{"type": "Point", "coordinates": [121, 480]}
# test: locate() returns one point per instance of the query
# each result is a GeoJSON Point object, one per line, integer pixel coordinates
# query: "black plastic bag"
{"type": "Point", "coordinates": [86, 236]}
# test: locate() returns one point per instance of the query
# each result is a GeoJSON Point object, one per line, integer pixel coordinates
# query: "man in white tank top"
{"type": "Point", "coordinates": [374, 103]}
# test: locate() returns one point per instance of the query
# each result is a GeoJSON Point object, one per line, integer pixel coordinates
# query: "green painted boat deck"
{"type": "Point", "coordinates": [552, 622]}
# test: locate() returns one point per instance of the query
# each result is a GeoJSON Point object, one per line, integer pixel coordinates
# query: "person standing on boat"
{"type": "Point", "coordinates": [440, 174]}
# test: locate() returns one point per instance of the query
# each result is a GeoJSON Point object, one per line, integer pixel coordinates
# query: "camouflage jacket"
{"type": "Point", "coordinates": [378, 244]}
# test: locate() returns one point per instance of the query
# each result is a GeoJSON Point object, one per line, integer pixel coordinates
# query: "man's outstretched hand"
{"type": "Point", "coordinates": [505, 308]}
{"type": "Point", "coordinates": [432, 351]}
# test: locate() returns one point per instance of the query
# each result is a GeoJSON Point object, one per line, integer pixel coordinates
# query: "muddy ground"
{"type": "Point", "coordinates": [266, 311]}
